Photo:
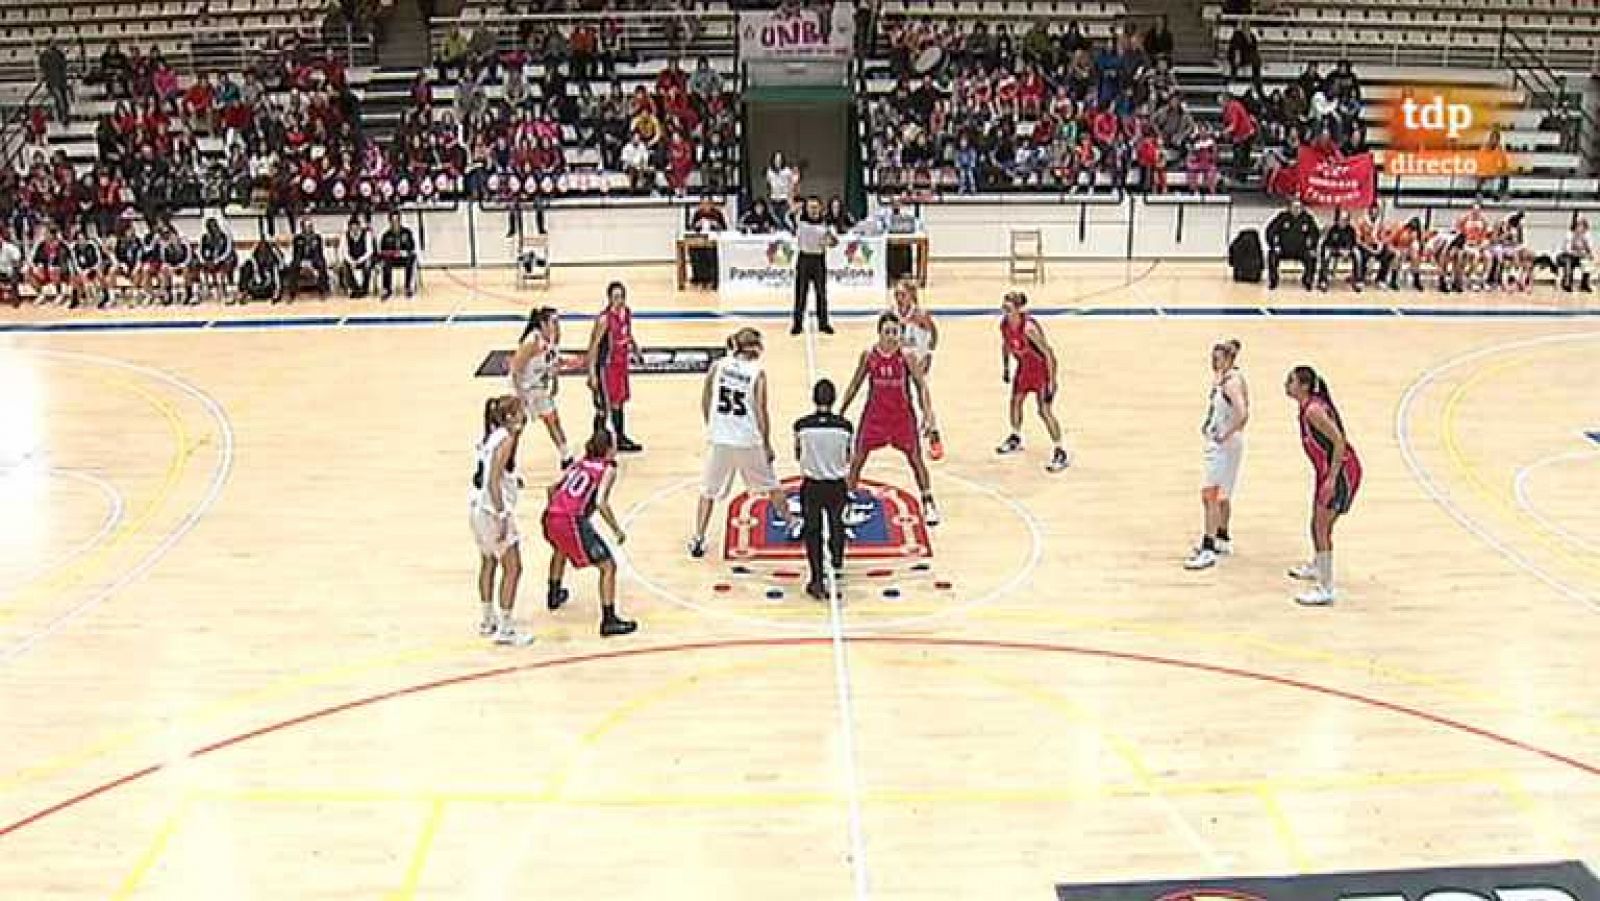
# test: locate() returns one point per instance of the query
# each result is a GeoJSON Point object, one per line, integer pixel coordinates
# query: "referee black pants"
{"type": "Point", "coordinates": [811, 269]}
{"type": "Point", "coordinates": [823, 501]}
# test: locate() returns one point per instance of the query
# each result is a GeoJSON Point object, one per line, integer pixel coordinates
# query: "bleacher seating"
{"type": "Point", "coordinates": [1422, 32]}
{"type": "Point", "coordinates": [203, 34]}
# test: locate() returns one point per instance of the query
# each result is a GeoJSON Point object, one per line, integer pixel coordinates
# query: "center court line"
{"type": "Point", "coordinates": [841, 681]}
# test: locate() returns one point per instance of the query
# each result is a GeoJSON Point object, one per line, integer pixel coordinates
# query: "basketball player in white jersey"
{"type": "Point", "coordinates": [1223, 430]}
{"type": "Point", "coordinates": [919, 335]}
{"type": "Point", "coordinates": [733, 403]}
{"type": "Point", "coordinates": [493, 515]}
{"type": "Point", "coordinates": [536, 374]}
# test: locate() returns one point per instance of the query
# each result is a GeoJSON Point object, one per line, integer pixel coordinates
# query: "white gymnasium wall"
{"type": "Point", "coordinates": [630, 233]}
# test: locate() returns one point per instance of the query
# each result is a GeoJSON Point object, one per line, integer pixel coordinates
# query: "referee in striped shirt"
{"type": "Point", "coordinates": [822, 442]}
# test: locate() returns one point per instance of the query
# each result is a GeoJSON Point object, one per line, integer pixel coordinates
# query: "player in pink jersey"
{"type": "Point", "coordinates": [611, 350]}
{"type": "Point", "coordinates": [1338, 477]}
{"type": "Point", "coordinates": [583, 490]}
{"type": "Point", "coordinates": [1022, 339]}
{"type": "Point", "coordinates": [889, 421]}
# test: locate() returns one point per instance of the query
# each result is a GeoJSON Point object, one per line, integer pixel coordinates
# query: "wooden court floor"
{"type": "Point", "coordinates": [237, 610]}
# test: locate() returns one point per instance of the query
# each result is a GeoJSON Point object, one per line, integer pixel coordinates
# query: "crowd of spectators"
{"type": "Point", "coordinates": [511, 131]}
{"type": "Point", "coordinates": [989, 109]}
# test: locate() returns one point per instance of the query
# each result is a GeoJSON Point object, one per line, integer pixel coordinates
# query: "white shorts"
{"type": "Point", "coordinates": [493, 535]}
{"type": "Point", "coordinates": [750, 463]}
{"type": "Point", "coordinates": [538, 404]}
{"type": "Point", "coordinates": [1222, 465]}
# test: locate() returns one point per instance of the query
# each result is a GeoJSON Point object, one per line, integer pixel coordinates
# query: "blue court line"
{"type": "Point", "coordinates": [416, 319]}
{"type": "Point", "coordinates": [1332, 311]}
{"type": "Point", "coordinates": [1116, 311]}
{"type": "Point", "coordinates": [403, 319]}
{"type": "Point", "coordinates": [99, 325]}
{"type": "Point", "coordinates": [1509, 313]}
{"type": "Point", "coordinates": [501, 318]}
{"type": "Point", "coordinates": [277, 322]}
{"type": "Point", "coordinates": [1213, 311]}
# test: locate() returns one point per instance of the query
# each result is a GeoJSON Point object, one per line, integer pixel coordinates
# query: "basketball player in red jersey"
{"type": "Point", "coordinates": [888, 421]}
{"type": "Point", "coordinates": [583, 490]}
{"type": "Point", "coordinates": [1338, 477]}
{"type": "Point", "coordinates": [1022, 339]}
{"type": "Point", "coordinates": [610, 351]}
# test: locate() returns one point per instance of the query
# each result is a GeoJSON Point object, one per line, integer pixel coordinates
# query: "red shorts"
{"type": "Point", "coordinates": [576, 540]}
{"type": "Point", "coordinates": [1030, 378]}
{"type": "Point", "coordinates": [49, 275]}
{"type": "Point", "coordinates": [614, 383]}
{"type": "Point", "coordinates": [899, 432]}
{"type": "Point", "coordinates": [1345, 487]}
{"type": "Point", "coordinates": [152, 265]}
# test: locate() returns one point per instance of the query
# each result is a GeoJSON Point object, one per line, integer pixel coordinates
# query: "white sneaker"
{"type": "Point", "coordinates": [1203, 558]}
{"type": "Point", "coordinates": [1061, 459]}
{"type": "Point", "coordinates": [508, 634]}
{"type": "Point", "coordinates": [930, 513]}
{"type": "Point", "coordinates": [1305, 572]}
{"type": "Point", "coordinates": [1224, 548]}
{"type": "Point", "coordinates": [697, 547]}
{"type": "Point", "coordinates": [486, 624]}
{"type": "Point", "coordinates": [1316, 597]}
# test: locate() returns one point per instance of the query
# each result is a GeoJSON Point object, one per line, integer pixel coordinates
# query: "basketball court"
{"type": "Point", "coordinates": [237, 654]}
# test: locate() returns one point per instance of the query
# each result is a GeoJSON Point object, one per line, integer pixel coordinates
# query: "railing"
{"type": "Point", "coordinates": [679, 32]}
{"type": "Point", "coordinates": [1579, 129]}
{"type": "Point", "coordinates": [1365, 39]}
{"type": "Point", "coordinates": [14, 129]}
{"type": "Point", "coordinates": [224, 48]}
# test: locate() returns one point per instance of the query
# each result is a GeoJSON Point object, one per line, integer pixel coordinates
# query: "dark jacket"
{"type": "Point", "coordinates": [1293, 235]}
{"type": "Point", "coordinates": [1341, 237]}
{"type": "Point", "coordinates": [398, 243]}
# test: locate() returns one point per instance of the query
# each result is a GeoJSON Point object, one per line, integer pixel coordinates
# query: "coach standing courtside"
{"type": "Point", "coordinates": [812, 238]}
{"type": "Point", "coordinates": [822, 442]}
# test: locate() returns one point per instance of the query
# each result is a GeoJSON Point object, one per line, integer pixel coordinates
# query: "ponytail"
{"type": "Point", "coordinates": [490, 414]}
{"type": "Point", "coordinates": [537, 317]}
{"type": "Point", "coordinates": [1318, 388]}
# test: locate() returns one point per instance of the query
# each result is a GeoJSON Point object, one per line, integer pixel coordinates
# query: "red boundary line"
{"type": "Point", "coordinates": [965, 643]}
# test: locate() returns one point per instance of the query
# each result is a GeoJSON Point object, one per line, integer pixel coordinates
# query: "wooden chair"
{"type": "Point", "coordinates": [1026, 254]}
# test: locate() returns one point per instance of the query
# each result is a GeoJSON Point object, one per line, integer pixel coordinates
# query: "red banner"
{"type": "Point", "coordinates": [1329, 180]}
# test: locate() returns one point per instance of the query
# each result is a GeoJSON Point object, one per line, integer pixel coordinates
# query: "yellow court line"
{"type": "Point", "coordinates": [1511, 787]}
{"type": "Point", "coordinates": [71, 575]}
{"type": "Point", "coordinates": [152, 854]}
{"type": "Point", "coordinates": [623, 712]}
{"type": "Point", "coordinates": [285, 685]}
{"type": "Point", "coordinates": [419, 855]}
{"type": "Point", "coordinates": [1298, 858]}
{"type": "Point", "coordinates": [1501, 499]}
{"type": "Point", "coordinates": [1335, 783]}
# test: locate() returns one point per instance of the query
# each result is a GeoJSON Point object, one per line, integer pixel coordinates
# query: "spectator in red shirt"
{"type": "Point", "coordinates": [197, 104]}
{"type": "Point", "coordinates": [584, 43]}
{"type": "Point", "coordinates": [680, 162]}
{"type": "Point", "coordinates": [1151, 160]}
{"type": "Point", "coordinates": [1240, 129]}
{"type": "Point", "coordinates": [421, 91]}
{"type": "Point", "coordinates": [671, 77]}
{"type": "Point", "coordinates": [1103, 125]}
